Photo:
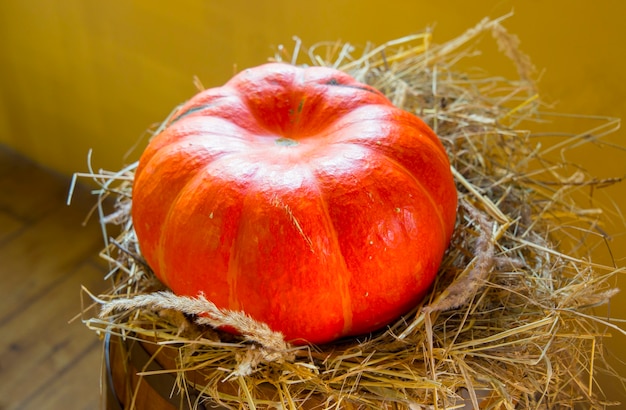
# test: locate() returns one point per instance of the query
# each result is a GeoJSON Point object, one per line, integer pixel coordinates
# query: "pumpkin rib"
{"type": "Point", "coordinates": [154, 170]}
{"type": "Point", "coordinates": [181, 133]}
{"type": "Point", "coordinates": [373, 114]}
{"type": "Point", "coordinates": [403, 118]}
{"type": "Point", "coordinates": [224, 103]}
{"type": "Point", "coordinates": [231, 276]}
{"type": "Point", "coordinates": [420, 138]}
{"type": "Point", "coordinates": [436, 148]}
{"type": "Point", "coordinates": [359, 263]}
{"type": "Point", "coordinates": [345, 294]}
{"type": "Point", "coordinates": [248, 198]}
{"type": "Point", "coordinates": [365, 135]}
{"type": "Point", "coordinates": [427, 193]}
{"type": "Point", "coordinates": [175, 204]}
{"type": "Point", "coordinates": [380, 150]}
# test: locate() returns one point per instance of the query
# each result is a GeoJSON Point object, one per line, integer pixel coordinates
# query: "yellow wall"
{"type": "Point", "coordinates": [80, 74]}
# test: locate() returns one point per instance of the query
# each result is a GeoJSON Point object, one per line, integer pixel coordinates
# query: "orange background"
{"type": "Point", "coordinates": [81, 74]}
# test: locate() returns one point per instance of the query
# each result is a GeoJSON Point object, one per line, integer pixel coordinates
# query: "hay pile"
{"type": "Point", "coordinates": [509, 322]}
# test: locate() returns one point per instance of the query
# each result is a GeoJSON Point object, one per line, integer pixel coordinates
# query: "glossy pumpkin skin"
{"type": "Point", "coordinates": [300, 196]}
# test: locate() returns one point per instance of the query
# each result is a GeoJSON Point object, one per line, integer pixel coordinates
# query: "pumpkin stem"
{"type": "Point", "coordinates": [285, 142]}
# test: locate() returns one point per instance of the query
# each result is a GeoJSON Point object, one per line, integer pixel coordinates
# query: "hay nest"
{"type": "Point", "coordinates": [509, 322]}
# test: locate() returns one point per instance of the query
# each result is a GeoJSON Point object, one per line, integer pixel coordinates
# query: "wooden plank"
{"type": "Point", "coordinates": [27, 191]}
{"type": "Point", "coordinates": [76, 387]}
{"type": "Point", "coordinates": [45, 255]}
{"type": "Point", "coordinates": [41, 255]}
{"type": "Point", "coordinates": [39, 348]}
{"type": "Point", "coordinates": [9, 225]}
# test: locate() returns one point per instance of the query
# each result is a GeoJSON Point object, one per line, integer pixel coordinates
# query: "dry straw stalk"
{"type": "Point", "coordinates": [509, 323]}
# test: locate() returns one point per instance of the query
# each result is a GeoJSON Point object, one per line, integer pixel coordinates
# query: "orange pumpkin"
{"type": "Point", "coordinates": [299, 196]}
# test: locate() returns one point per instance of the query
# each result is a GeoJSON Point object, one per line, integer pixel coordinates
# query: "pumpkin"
{"type": "Point", "coordinates": [299, 196]}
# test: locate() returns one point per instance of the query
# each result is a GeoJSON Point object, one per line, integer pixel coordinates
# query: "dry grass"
{"type": "Point", "coordinates": [509, 323]}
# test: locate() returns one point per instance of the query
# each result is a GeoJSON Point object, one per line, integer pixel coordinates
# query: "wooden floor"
{"type": "Point", "coordinates": [46, 255]}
